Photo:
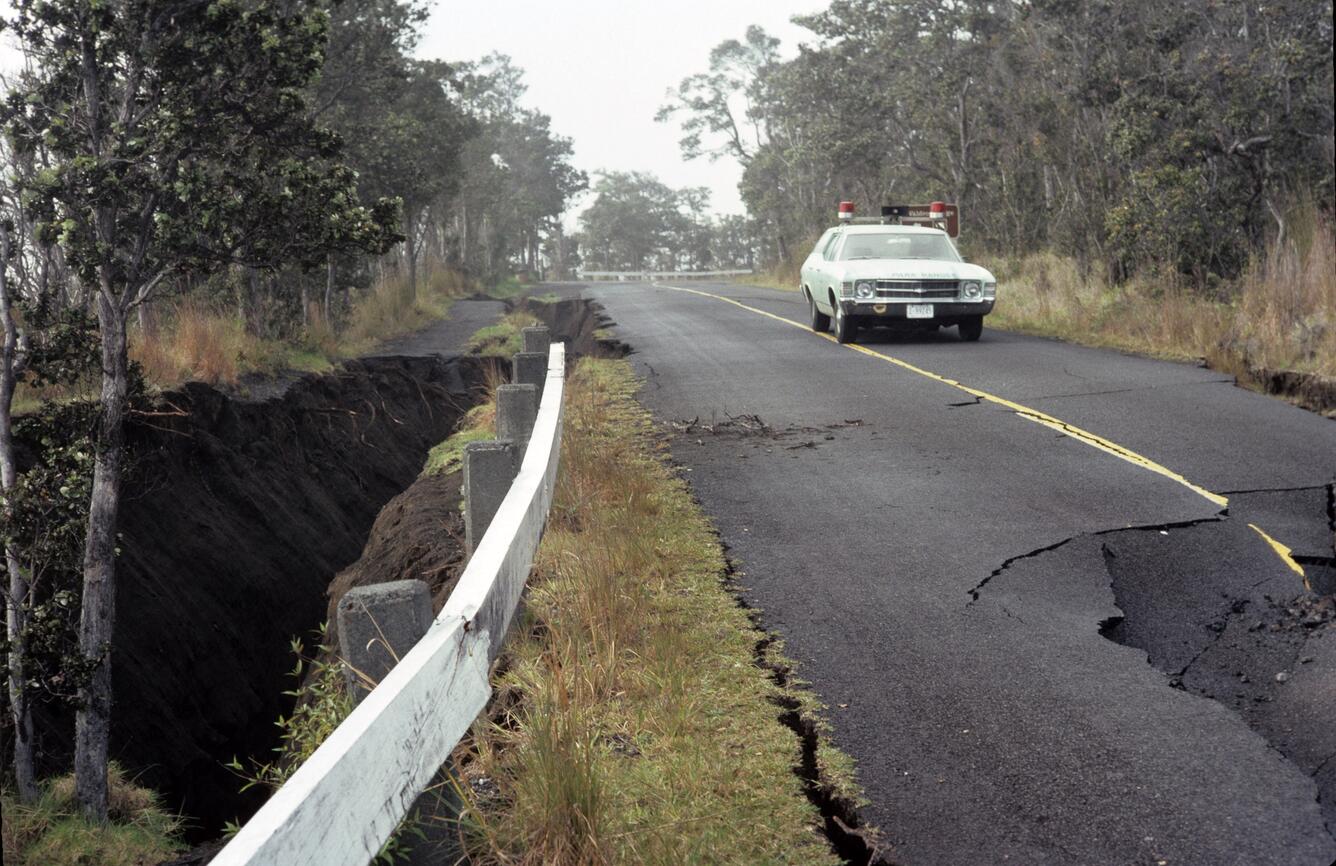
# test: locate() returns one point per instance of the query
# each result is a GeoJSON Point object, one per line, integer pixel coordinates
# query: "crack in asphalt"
{"type": "Point", "coordinates": [1302, 489]}
{"type": "Point", "coordinates": [1331, 513]}
{"type": "Point", "coordinates": [978, 588]}
{"type": "Point", "coordinates": [1155, 527]}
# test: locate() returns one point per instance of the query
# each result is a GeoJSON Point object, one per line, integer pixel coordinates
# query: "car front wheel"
{"type": "Point", "coordinates": [846, 326]}
{"type": "Point", "coordinates": [820, 321]}
{"type": "Point", "coordinates": [971, 329]}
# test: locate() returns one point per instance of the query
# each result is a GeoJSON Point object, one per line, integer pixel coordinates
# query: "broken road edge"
{"type": "Point", "coordinates": [641, 710]}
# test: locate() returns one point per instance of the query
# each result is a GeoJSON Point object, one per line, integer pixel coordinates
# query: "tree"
{"type": "Point", "coordinates": [13, 363]}
{"type": "Point", "coordinates": [1139, 135]}
{"type": "Point", "coordinates": [517, 173]}
{"type": "Point", "coordinates": [179, 142]}
{"type": "Point", "coordinates": [411, 150]}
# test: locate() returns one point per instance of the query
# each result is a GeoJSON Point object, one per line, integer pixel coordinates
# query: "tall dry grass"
{"type": "Point", "coordinates": [1285, 317]}
{"type": "Point", "coordinates": [1280, 314]}
{"type": "Point", "coordinates": [52, 832]}
{"type": "Point", "coordinates": [198, 341]}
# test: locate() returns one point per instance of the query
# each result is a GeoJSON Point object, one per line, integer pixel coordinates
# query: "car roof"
{"type": "Point", "coordinates": [880, 229]}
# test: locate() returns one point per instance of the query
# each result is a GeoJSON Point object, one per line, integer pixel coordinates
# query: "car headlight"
{"type": "Point", "coordinates": [864, 289]}
{"type": "Point", "coordinates": [972, 289]}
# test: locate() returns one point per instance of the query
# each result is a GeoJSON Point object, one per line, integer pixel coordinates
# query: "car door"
{"type": "Point", "coordinates": [829, 274]}
{"type": "Point", "coordinates": [811, 269]}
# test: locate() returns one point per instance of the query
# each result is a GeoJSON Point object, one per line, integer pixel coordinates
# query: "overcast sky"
{"type": "Point", "coordinates": [601, 69]}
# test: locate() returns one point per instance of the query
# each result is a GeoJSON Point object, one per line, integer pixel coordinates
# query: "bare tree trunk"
{"type": "Point", "coordinates": [17, 600]}
{"type": "Point", "coordinates": [148, 320]}
{"type": "Point", "coordinates": [410, 248]}
{"type": "Point", "coordinates": [98, 615]}
{"type": "Point", "coordinates": [329, 285]}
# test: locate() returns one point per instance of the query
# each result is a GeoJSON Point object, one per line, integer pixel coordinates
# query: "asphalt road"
{"type": "Point", "coordinates": [1041, 643]}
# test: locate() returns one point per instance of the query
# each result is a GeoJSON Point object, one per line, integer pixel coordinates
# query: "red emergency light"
{"type": "Point", "coordinates": [937, 210]}
{"type": "Point", "coordinates": [846, 210]}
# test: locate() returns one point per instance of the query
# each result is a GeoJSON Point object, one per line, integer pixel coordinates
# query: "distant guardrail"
{"type": "Point", "coordinates": [649, 276]}
{"type": "Point", "coordinates": [342, 805]}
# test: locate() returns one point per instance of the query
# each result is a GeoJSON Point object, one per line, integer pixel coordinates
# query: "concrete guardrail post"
{"type": "Point", "coordinates": [378, 625]}
{"type": "Point", "coordinates": [530, 368]}
{"type": "Point", "coordinates": [489, 467]}
{"type": "Point", "coordinates": [537, 339]}
{"type": "Point", "coordinates": [516, 411]}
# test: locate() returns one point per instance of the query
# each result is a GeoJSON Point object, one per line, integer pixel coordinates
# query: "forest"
{"type": "Point", "coordinates": [1129, 135]}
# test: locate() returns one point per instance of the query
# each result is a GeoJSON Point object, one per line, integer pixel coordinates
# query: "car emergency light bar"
{"type": "Point", "coordinates": [938, 215]}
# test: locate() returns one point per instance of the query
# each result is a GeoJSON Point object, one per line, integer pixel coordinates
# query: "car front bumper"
{"type": "Point", "coordinates": [944, 312]}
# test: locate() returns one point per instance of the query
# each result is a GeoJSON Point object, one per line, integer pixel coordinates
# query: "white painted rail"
{"type": "Point", "coordinates": [649, 276]}
{"type": "Point", "coordinates": [346, 800]}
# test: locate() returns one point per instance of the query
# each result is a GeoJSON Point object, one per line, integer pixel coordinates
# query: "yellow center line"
{"type": "Point", "coordinates": [1286, 555]}
{"type": "Point", "coordinates": [1026, 412]}
{"type": "Point", "coordinates": [1030, 414]}
{"type": "Point", "coordinates": [1080, 435]}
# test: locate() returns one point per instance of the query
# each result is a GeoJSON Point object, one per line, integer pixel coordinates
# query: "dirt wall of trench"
{"type": "Point", "coordinates": [237, 515]}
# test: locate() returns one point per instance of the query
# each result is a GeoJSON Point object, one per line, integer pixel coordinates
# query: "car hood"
{"type": "Point", "coordinates": [909, 269]}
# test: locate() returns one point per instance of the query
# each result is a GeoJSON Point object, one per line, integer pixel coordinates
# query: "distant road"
{"type": "Point", "coordinates": [971, 551]}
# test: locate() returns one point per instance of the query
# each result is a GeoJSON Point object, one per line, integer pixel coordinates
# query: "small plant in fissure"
{"type": "Point", "coordinates": [174, 140]}
{"type": "Point", "coordinates": [320, 703]}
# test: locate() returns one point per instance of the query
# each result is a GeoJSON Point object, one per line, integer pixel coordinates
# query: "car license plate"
{"type": "Point", "coordinates": [918, 311]}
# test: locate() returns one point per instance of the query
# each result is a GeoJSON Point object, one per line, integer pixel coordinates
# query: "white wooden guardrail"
{"type": "Point", "coordinates": [342, 805]}
{"type": "Point", "coordinates": [649, 276]}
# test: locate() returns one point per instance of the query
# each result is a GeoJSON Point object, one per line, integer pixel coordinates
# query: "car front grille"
{"type": "Point", "coordinates": [913, 289]}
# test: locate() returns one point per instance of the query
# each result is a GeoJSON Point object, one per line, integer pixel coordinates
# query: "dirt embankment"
{"type": "Point", "coordinates": [245, 521]}
{"type": "Point", "coordinates": [237, 515]}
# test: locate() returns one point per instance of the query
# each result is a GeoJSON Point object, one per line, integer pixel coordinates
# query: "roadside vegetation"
{"type": "Point", "coordinates": [196, 340]}
{"type": "Point", "coordinates": [50, 831]}
{"type": "Point", "coordinates": [1280, 314]}
{"type": "Point", "coordinates": [504, 338]}
{"type": "Point", "coordinates": [632, 723]}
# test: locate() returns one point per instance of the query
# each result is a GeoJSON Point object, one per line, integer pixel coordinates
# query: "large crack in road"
{"type": "Point", "coordinates": [1224, 619]}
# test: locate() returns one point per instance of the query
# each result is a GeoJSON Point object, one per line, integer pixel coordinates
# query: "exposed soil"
{"type": "Point", "coordinates": [247, 516]}
{"type": "Point", "coordinates": [236, 515]}
{"type": "Point", "coordinates": [1312, 391]}
{"type": "Point", "coordinates": [419, 535]}
{"type": "Point", "coordinates": [578, 322]}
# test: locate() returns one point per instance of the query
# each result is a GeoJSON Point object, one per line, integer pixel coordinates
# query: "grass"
{"type": "Point", "coordinates": [634, 723]}
{"type": "Point", "coordinates": [51, 831]}
{"type": "Point", "coordinates": [786, 276]}
{"type": "Point", "coordinates": [510, 287]}
{"type": "Point", "coordinates": [197, 341]}
{"type": "Point", "coordinates": [503, 339]}
{"type": "Point", "coordinates": [477, 425]}
{"type": "Point", "coordinates": [1281, 314]}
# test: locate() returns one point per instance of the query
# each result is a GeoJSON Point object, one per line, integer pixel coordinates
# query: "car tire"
{"type": "Point", "coordinates": [846, 326]}
{"type": "Point", "coordinates": [820, 321]}
{"type": "Point", "coordinates": [971, 329]}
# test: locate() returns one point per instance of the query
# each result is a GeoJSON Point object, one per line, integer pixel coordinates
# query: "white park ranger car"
{"type": "Point", "coordinates": [901, 270]}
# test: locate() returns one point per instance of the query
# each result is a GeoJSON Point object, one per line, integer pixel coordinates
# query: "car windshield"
{"type": "Point", "coordinates": [898, 245]}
